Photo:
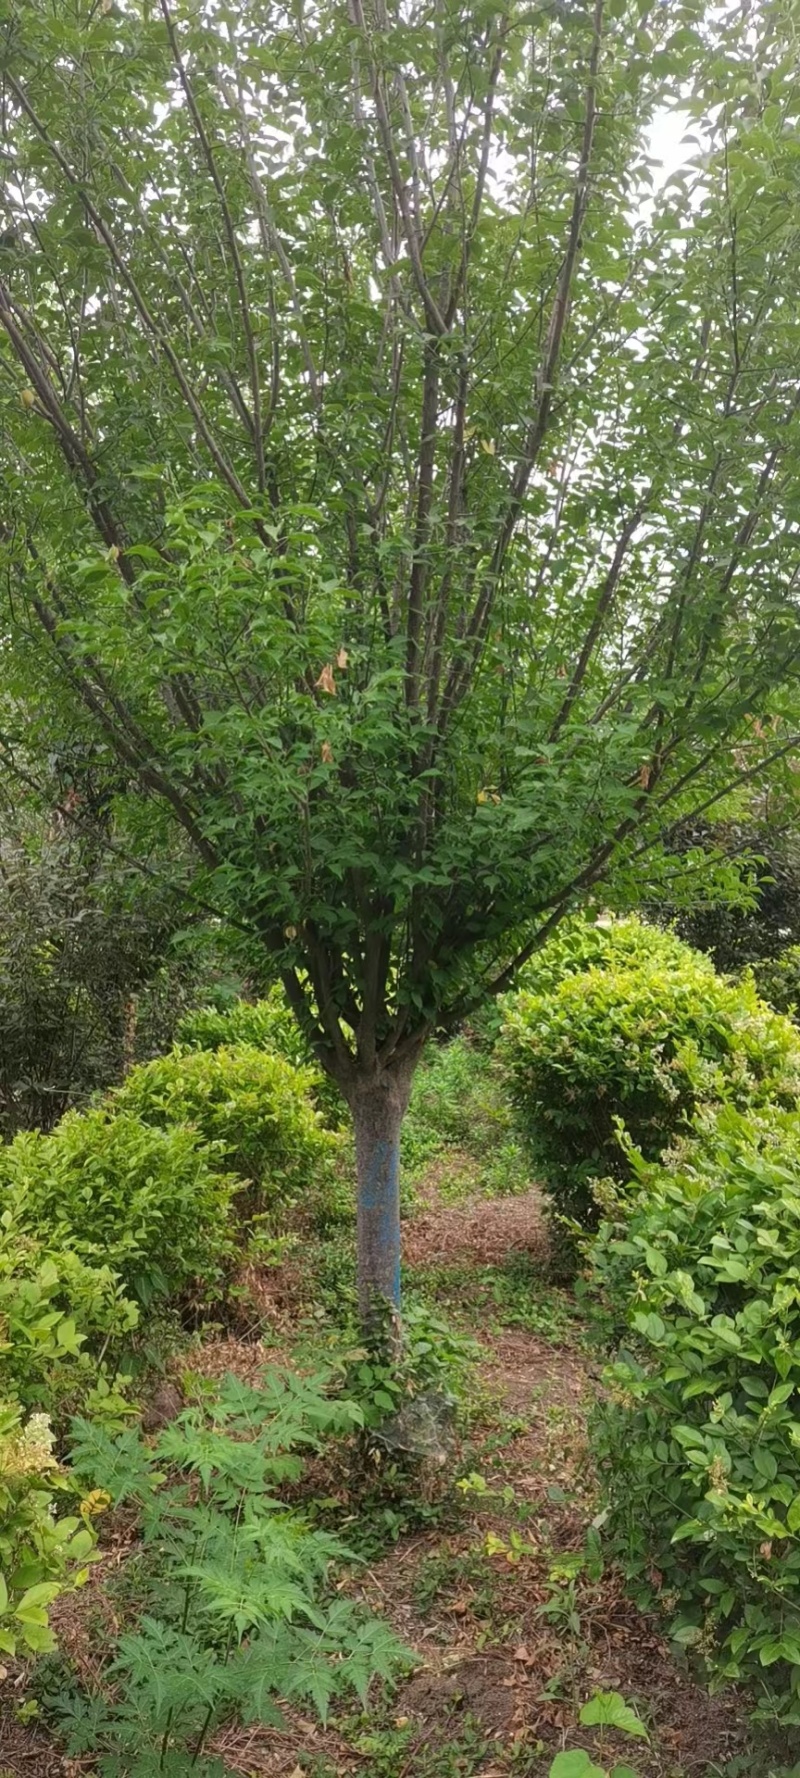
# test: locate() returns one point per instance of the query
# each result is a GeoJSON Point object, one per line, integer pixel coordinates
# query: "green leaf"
{"type": "Point", "coordinates": [575, 1764]}
{"type": "Point", "coordinates": [610, 1710]}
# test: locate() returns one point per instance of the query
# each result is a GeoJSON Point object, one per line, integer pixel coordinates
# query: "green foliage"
{"type": "Point", "coordinates": [577, 1763]}
{"type": "Point", "coordinates": [582, 944]}
{"type": "Point", "coordinates": [434, 1357]}
{"type": "Point", "coordinates": [753, 932]}
{"type": "Point", "coordinates": [778, 980]}
{"type": "Point", "coordinates": [84, 955]}
{"type": "Point", "coordinates": [62, 1317]}
{"type": "Point", "coordinates": [267, 1024]}
{"type": "Point", "coordinates": [515, 1293]}
{"type": "Point", "coordinates": [235, 1610]}
{"type": "Point", "coordinates": [153, 1204]}
{"type": "Point", "coordinates": [41, 1555]}
{"type": "Point", "coordinates": [699, 1446]}
{"type": "Point", "coordinates": [604, 1710]}
{"type": "Point", "coordinates": [644, 1036]}
{"type": "Point", "coordinates": [324, 572]}
{"type": "Point", "coordinates": [252, 1108]}
{"type": "Point", "coordinates": [460, 1121]}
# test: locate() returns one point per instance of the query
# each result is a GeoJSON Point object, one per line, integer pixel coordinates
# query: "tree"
{"type": "Point", "coordinates": [90, 973]}
{"type": "Point", "coordinates": [399, 491]}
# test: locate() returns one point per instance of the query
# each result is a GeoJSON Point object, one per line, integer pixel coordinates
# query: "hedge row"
{"type": "Point", "coordinates": [660, 1101]}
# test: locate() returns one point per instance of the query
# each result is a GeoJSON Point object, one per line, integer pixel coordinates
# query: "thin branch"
{"type": "Point", "coordinates": [462, 669]}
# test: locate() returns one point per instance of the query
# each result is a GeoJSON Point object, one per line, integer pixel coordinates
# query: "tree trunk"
{"type": "Point", "coordinates": [378, 1104]}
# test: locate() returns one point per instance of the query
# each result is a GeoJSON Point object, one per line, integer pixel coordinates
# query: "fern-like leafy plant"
{"type": "Point", "coordinates": [234, 1610]}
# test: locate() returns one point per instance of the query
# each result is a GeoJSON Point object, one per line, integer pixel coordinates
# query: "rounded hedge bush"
{"type": "Point", "coordinates": [254, 1109]}
{"type": "Point", "coordinates": [154, 1205]}
{"type": "Point", "coordinates": [642, 1037]}
{"type": "Point", "coordinates": [699, 1446]}
{"type": "Point", "coordinates": [270, 1025]}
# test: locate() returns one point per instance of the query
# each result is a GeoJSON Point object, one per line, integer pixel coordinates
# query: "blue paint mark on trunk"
{"type": "Point", "coordinates": [378, 1155]}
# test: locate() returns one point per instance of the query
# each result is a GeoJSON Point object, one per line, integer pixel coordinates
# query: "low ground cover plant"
{"type": "Point", "coordinates": [699, 1445]}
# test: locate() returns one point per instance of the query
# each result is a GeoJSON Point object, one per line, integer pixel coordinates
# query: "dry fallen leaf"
{"type": "Point", "coordinates": [326, 681]}
{"type": "Point", "coordinates": [342, 659]}
{"type": "Point", "coordinates": [326, 753]}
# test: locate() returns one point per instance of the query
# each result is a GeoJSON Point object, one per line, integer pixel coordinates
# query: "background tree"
{"type": "Point", "coordinates": [97, 962]}
{"type": "Point", "coordinates": [768, 923]}
{"type": "Point", "coordinates": [404, 497]}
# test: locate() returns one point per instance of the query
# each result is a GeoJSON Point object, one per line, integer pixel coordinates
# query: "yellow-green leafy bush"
{"type": "Point", "coordinates": [270, 1025]}
{"type": "Point", "coordinates": [153, 1204]}
{"type": "Point", "coordinates": [62, 1318]}
{"type": "Point", "coordinates": [253, 1107]}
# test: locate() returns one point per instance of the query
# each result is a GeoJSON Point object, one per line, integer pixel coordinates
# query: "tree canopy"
{"type": "Point", "coordinates": [397, 488]}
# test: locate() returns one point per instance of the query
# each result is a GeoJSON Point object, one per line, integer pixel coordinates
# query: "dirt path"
{"type": "Point", "coordinates": [480, 1231]}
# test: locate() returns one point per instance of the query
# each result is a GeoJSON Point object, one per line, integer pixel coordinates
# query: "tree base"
{"type": "Point", "coordinates": [424, 1429]}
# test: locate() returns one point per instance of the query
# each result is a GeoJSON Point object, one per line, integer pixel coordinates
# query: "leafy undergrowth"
{"type": "Point", "coordinates": [490, 1569]}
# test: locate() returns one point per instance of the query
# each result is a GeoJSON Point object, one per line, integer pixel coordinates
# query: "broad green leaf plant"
{"type": "Point", "coordinates": [399, 486]}
{"type": "Point", "coordinates": [606, 1710]}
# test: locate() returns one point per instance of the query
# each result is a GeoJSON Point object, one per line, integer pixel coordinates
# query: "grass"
{"type": "Point", "coordinates": [513, 1295]}
{"type": "Point", "coordinates": [460, 1124]}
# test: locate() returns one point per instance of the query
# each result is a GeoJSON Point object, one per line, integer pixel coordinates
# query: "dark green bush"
{"type": "Point", "coordinates": [270, 1025]}
{"type": "Point", "coordinates": [778, 980]}
{"type": "Point", "coordinates": [152, 1204]}
{"type": "Point", "coordinates": [255, 1108]}
{"type": "Point", "coordinates": [699, 1445]}
{"type": "Point", "coordinates": [643, 1037]}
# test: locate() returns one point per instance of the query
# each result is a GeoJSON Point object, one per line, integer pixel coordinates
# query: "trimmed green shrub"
{"type": "Point", "coordinates": [699, 1446]}
{"type": "Point", "coordinates": [581, 944]}
{"type": "Point", "coordinates": [270, 1025]}
{"type": "Point", "coordinates": [60, 1318]}
{"type": "Point", "coordinates": [267, 1024]}
{"type": "Point", "coordinates": [253, 1108]}
{"type": "Point", "coordinates": [645, 1038]}
{"type": "Point", "coordinates": [151, 1204]}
